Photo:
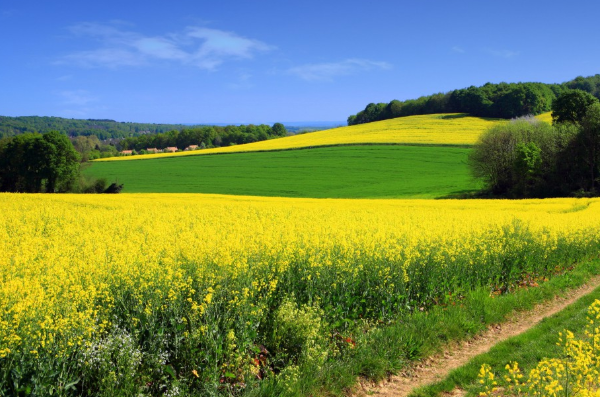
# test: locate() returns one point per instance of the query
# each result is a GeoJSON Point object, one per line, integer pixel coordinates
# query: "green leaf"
{"type": "Point", "coordinates": [170, 370]}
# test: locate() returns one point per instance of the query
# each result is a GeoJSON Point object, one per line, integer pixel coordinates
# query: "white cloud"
{"type": "Point", "coordinates": [104, 57]}
{"type": "Point", "coordinates": [202, 47]}
{"type": "Point", "coordinates": [458, 49]}
{"type": "Point", "coordinates": [502, 53]}
{"type": "Point", "coordinates": [327, 71]}
{"type": "Point", "coordinates": [218, 46]}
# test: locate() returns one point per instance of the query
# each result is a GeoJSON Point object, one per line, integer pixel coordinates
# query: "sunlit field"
{"type": "Point", "coordinates": [546, 117]}
{"type": "Point", "coordinates": [370, 171]}
{"type": "Point", "coordinates": [142, 293]}
{"type": "Point", "coordinates": [431, 129]}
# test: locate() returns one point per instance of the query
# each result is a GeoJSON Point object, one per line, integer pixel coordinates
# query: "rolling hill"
{"type": "Point", "coordinates": [410, 157]}
{"type": "Point", "coordinates": [431, 129]}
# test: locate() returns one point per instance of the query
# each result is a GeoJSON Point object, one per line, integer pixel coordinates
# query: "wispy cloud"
{"type": "Point", "coordinates": [502, 53]}
{"type": "Point", "coordinates": [79, 104]}
{"type": "Point", "coordinates": [458, 49]}
{"type": "Point", "coordinates": [76, 97]}
{"type": "Point", "coordinates": [218, 46]}
{"type": "Point", "coordinates": [202, 47]}
{"type": "Point", "coordinates": [244, 82]}
{"type": "Point", "coordinates": [328, 71]}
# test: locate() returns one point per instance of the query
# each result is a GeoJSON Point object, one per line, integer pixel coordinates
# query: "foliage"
{"type": "Point", "coordinates": [91, 148]}
{"type": "Point", "coordinates": [530, 158]}
{"type": "Point", "coordinates": [195, 287]}
{"type": "Point", "coordinates": [589, 84]}
{"type": "Point", "coordinates": [571, 106]}
{"type": "Point", "coordinates": [490, 100]}
{"type": "Point", "coordinates": [38, 163]}
{"type": "Point", "coordinates": [208, 137]}
{"type": "Point", "coordinates": [95, 139]}
{"type": "Point", "coordinates": [514, 158]}
{"type": "Point", "coordinates": [102, 129]}
{"type": "Point", "coordinates": [590, 137]}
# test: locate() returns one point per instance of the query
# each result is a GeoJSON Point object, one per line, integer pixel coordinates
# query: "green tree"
{"type": "Point", "coordinates": [590, 134]}
{"type": "Point", "coordinates": [528, 162]}
{"type": "Point", "coordinates": [279, 129]}
{"type": "Point", "coordinates": [571, 106]}
{"type": "Point", "coordinates": [61, 162]}
{"type": "Point", "coordinates": [35, 163]}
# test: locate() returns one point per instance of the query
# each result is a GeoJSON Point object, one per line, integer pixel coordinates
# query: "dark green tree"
{"type": "Point", "coordinates": [279, 129]}
{"type": "Point", "coordinates": [571, 106]}
{"type": "Point", "coordinates": [34, 163]}
{"type": "Point", "coordinates": [61, 162]}
{"type": "Point", "coordinates": [590, 134]}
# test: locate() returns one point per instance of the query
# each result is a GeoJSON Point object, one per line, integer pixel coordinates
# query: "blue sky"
{"type": "Point", "coordinates": [266, 61]}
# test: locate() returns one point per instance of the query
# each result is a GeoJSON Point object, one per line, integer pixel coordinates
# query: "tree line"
{"type": "Point", "coordinates": [501, 100]}
{"type": "Point", "coordinates": [102, 128]}
{"type": "Point", "coordinates": [205, 137]}
{"type": "Point", "coordinates": [527, 158]}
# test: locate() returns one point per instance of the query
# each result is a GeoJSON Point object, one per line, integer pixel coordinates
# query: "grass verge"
{"type": "Point", "coordinates": [527, 349]}
{"type": "Point", "coordinates": [384, 350]}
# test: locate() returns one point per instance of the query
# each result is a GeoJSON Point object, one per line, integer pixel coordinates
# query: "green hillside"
{"type": "Point", "coordinates": [336, 172]}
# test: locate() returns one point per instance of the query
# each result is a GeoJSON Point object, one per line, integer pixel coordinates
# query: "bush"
{"type": "Point", "coordinates": [514, 158]}
{"type": "Point", "coordinates": [298, 334]}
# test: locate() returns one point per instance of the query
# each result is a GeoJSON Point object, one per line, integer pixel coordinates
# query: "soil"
{"type": "Point", "coordinates": [436, 368]}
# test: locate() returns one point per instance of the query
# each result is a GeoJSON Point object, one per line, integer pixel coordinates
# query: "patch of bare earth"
{"type": "Point", "coordinates": [436, 368]}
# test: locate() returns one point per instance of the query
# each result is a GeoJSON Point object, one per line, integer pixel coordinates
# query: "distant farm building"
{"type": "Point", "coordinates": [126, 152]}
{"type": "Point", "coordinates": [153, 150]}
{"type": "Point", "coordinates": [192, 147]}
{"type": "Point", "coordinates": [171, 149]}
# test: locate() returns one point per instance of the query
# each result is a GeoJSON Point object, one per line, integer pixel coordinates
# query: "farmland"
{"type": "Point", "coordinates": [147, 292]}
{"type": "Point", "coordinates": [431, 129]}
{"type": "Point", "coordinates": [292, 265]}
{"type": "Point", "coordinates": [329, 172]}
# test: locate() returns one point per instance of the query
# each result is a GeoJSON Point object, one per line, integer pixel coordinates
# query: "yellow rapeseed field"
{"type": "Point", "coordinates": [164, 276]}
{"type": "Point", "coordinates": [436, 129]}
{"type": "Point", "coordinates": [431, 129]}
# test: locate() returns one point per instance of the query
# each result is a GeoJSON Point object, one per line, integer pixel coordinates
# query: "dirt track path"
{"type": "Point", "coordinates": [436, 368]}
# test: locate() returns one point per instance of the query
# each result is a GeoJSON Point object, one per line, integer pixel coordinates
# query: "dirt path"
{"type": "Point", "coordinates": [436, 368]}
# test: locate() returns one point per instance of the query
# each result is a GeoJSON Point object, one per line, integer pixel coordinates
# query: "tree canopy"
{"type": "Point", "coordinates": [35, 163]}
{"type": "Point", "coordinates": [213, 136]}
{"type": "Point", "coordinates": [501, 100]}
{"type": "Point", "coordinates": [530, 158]}
{"type": "Point", "coordinates": [571, 106]}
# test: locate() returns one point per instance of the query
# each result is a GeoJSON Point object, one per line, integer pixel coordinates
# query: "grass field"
{"type": "Point", "coordinates": [336, 172]}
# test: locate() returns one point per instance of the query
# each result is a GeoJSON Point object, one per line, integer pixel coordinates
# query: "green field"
{"type": "Point", "coordinates": [332, 172]}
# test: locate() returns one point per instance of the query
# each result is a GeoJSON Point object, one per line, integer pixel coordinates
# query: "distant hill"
{"type": "Point", "coordinates": [102, 128]}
